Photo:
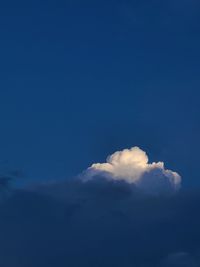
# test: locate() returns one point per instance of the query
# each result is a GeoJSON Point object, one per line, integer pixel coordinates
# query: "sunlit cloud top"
{"type": "Point", "coordinates": [131, 165]}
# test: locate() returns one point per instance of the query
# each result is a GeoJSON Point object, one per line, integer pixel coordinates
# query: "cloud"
{"type": "Point", "coordinates": [103, 222]}
{"type": "Point", "coordinates": [179, 259]}
{"type": "Point", "coordinates": [131, 165]}
{"type": "Point", "coordinates": [98, 223]}
{"type": "Point", "coordinates": [7, 179]}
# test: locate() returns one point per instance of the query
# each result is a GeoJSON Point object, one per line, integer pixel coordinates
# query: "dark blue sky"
{"type": "Point", "coordinates": [82, 79]}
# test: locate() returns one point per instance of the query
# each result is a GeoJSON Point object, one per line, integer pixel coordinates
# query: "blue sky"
{"type": "Point", "coordinates": [82, 79]}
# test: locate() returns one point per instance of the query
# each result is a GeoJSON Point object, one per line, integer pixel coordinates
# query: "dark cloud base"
{"type": "Point", "coordinates": [98, 224]}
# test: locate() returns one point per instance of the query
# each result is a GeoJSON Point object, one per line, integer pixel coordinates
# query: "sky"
{"type": "Point", "coordinates": [100, 123]}
{"type": "Point", "coordinates": [82, 79]}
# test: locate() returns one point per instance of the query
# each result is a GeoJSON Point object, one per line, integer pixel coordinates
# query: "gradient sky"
{"type": "Point", "coordinates": [82, 79]}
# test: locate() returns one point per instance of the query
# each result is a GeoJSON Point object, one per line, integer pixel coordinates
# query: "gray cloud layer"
{"type": "Point", "coordinates": [103, 219]}
{"type": "Point", "coordinates": [99, 223]}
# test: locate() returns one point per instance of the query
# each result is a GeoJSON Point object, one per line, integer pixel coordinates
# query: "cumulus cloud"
{"type": "Point", "coordinates": [103, 222]}
{"type": "Point", "coordinates": [131, 165]}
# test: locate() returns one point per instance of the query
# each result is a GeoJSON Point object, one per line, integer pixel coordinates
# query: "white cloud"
{"type": "Point", "coordinates": [179, 259]}
{"type": "Point", "coordinates": [131, 165]}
